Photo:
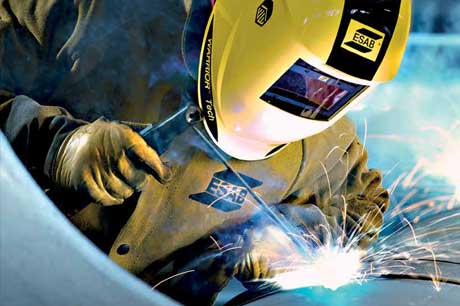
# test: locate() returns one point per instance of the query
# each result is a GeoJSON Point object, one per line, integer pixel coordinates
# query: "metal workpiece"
{"type": "Point", "coordinates": [46, 261]}
{"type": "Point", "coordinates": [379, 292]}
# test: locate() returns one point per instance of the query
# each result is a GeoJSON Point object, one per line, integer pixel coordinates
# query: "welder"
{"type": "Point", "coordinates": [274, 79]}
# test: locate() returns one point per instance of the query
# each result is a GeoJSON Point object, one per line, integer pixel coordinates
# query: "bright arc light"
{"type": "Point", "coordinates": [331, 268]}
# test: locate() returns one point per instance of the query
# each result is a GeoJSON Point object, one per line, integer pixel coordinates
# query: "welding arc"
{"type": "Point", "coordinates": [260, 203]}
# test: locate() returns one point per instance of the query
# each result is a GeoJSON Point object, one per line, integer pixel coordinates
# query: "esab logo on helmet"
{"type": "Point", "coordinates": [363, 40]}
{"type": "Point", "coordinates": [264, 12]}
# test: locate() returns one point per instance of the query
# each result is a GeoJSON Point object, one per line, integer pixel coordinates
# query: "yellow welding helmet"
{"type": "Point", "coordinates": [273, 72]}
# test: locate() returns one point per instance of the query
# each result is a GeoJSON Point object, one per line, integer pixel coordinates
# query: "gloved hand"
{"type": "Point", "coordinates": [270, 251]}
{"type": "Point", "coordinates": [106, 162]}
{"type": "Point", "coordinates": [356, 218]}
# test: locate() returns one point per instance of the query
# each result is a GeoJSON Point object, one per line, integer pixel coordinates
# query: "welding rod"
{"type": "Point", "coordinates": [192, 115]}
{"type": "Point", "coordinates": [260, 203]}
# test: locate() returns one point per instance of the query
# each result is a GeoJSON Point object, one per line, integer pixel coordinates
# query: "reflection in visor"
{"type": "Point", "coordinates": [307, 92]}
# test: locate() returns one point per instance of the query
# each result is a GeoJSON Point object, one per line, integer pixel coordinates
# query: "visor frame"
{"type": "Point", "coordinates": [297, 104]}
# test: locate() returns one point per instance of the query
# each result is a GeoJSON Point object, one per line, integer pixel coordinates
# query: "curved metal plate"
{"type": "Point", "coordinates": [375, 293]}
{"type": "Point", "coordinates": [45, 260]}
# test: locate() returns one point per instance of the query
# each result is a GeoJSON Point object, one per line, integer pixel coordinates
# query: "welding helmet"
{"type": "Point", "coordinates": [274, 72]}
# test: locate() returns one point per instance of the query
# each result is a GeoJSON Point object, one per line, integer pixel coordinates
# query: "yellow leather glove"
{"type": "Point", "coordinates": [269, 251]}
{"type": "Point", "coordinates": [355, 217]}
{"type": "Point", "coordinates": [106, 162]}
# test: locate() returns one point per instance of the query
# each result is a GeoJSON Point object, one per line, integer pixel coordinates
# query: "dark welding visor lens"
{"type": "Point", "coordinates": [305, 91]}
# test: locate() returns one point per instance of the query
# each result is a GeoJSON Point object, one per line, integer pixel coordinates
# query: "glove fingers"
{"type": "Point", "coordinates": [368, 216]}
{"type": "Point", "coordinates": [264, 268]}
{"type": "Point", "coordinates": [131, 175]}
{"type": "Point", "coordinates": [372, 222]}
{"type": "Point", "coordinates": [363, 229]}
{"type": "Point", "coordinates": [95, 188]}
{"type": "Point", "coordinates": [255, 267]}
{"type": "Point", "coordinates": [138, 150]}
{"type": "Point", "coordinates": [117, 187]}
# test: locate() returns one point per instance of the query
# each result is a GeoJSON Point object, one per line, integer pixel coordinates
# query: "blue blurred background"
{"type": "Point", "coordinates": [411, 126]}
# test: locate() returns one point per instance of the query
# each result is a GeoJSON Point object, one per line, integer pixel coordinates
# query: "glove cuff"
{"type": "Point", "coordinates": [55, 152]}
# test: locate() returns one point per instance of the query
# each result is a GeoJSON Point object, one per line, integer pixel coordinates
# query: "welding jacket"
{"type": "Point", "coordinates": [65, 63]}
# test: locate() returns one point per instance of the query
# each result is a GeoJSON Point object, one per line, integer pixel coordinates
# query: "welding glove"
{"type": "Point", "coordinates": [267, 254]}
{"type": "Point", "coordinates": [270, 250]}
{"type": "Point", "coordinates": [356, 218]}
{"type": "Point", "coordinates": [106, 162]}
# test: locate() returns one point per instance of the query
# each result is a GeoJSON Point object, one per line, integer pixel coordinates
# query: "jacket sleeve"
{"type": "Point", "coordinates": [33, 34]}
{"type": "Point", "coordinates": [336, 179]}
{"type": "Point", "coordinates": [35, 132]}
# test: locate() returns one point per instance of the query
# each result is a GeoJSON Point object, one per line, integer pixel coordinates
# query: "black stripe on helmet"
{"type": "Point", "coordinates": [276, 149]}
{"type": "Point", "coordinates": [205, 83]}
{"type": "Point", "coordinates": [381, 15]}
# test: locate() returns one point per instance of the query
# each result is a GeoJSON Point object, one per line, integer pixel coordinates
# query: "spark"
{"type": "Point", "coordinates": [425, 237]}
{"type": "Point", "coordinates": [365, 136]}
{"type": "Point", "coordinates": [344, 217]}
{"type": "Point", "coordinates": [171, 277]}
{"type": "Point", "coordinates": [436, 276]}
{"type": "Point", "coordinates": [327, 178]}
{"type": "Point", "coordinates": [411, 179]}
{"type": "Point", "coordinates": [218, 245]}
{"type": "Point", "coordinates": [421, 228]}
{"type": "Point", "coordinates": [231, 249]}
{"type": "Point", "coordinates": [231, 193]}
{"type": "Point", "coordinates": [412, 230]}
{"type": "Point", "coordinates": [345, 154]}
